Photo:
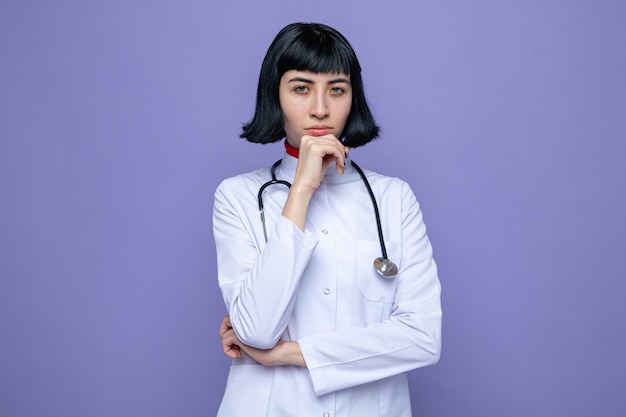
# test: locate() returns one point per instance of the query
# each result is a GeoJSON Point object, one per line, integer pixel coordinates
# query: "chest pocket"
{"type": "Point", "coordinates": [373, 286]}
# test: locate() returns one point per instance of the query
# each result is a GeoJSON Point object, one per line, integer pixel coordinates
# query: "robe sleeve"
{"type": "Point", "coordinates": [259, 287]}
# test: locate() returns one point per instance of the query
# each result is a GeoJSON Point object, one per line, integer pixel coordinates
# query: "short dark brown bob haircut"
{"type": "Point", "coordinates": [308, 47]}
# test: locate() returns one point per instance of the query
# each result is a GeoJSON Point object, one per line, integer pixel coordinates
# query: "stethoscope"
{"type": "Point", "coordinates": [383, 265]}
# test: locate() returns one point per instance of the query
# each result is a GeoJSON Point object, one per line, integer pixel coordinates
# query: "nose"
{"type": "Point", "coordinates": [319, 106]}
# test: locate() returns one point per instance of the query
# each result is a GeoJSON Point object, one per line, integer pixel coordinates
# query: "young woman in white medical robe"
{"type": "Point", "coordinates": [313, 328]}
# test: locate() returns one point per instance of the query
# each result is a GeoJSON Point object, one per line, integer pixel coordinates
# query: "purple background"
{"type": "Point", "coordinates": [119, 118]}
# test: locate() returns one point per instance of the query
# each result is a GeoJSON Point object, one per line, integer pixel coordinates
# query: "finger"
{"type": "Point", "coordinates": [233, 352]}
{"type": "Point", "coordinates": [328, 147]}
{"type": "Point", "coordinates": [225, 326]}
{"type": "Point", "coordinates": [231, 345]}
{"type": "Point", "coordinates": [337, 155]}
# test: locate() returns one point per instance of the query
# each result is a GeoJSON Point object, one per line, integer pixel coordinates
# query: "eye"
{"type": "Point", "coordinates": [301, 89]}
{"type": "Point", "coordinates": [337, 91]}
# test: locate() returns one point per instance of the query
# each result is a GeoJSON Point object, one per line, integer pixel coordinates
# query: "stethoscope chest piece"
{"type": "Point", "coordinates": [385, 267]}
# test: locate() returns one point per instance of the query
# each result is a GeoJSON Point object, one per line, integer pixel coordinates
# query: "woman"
{"type": "Point", "coordinates": [314, 329]}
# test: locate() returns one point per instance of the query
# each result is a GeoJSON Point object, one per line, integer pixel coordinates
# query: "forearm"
{"type": "Point", "coordinates": [284, 353]}
{"type": "Point", "coordinates": [297, 205]}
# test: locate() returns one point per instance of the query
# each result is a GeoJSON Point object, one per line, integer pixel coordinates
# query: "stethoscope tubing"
{"type": "Point", "coordinates": [263, 187]}
{"type": "Point", "coordinates": [376, 212]}
{"type": "Point", "coordinates": [379, 227]}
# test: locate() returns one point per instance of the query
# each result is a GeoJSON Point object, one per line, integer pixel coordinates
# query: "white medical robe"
{"type": "Point", "coordinates": [359, 332]}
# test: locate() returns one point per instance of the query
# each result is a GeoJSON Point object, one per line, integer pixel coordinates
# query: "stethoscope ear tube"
{"type": "Point", "coordinates": [383, 265]}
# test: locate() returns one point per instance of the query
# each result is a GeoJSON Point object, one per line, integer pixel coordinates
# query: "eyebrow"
{"type": "Point", "coordinates": [307, 81]}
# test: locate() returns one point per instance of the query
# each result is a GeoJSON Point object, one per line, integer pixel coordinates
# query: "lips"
{"type": "Point", "coordinates": [319, 130]}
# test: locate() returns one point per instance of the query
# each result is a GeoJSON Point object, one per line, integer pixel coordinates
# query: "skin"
{"type": "Point", "coordinates": [315, 108]}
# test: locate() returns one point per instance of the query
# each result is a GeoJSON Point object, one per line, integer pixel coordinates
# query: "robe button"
{"type": "Point", "coordinates": [325, 231]}
{"type": "Point", "coordinates": [327, 291]}
{"type": "Point", "coordinates": [326, 414]}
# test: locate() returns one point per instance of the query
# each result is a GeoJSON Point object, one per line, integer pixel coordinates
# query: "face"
{"type": "Point", "coordinates": [314, 104]}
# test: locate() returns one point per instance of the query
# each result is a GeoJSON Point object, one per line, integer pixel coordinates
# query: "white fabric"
{"type": "Point", "coordinates": [359, 332]}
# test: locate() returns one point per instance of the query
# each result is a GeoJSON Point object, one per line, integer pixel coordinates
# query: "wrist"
{"type": "Point", "coordinates": [289, 353]}
{"type": "Point", "coordinates": [301, 192]}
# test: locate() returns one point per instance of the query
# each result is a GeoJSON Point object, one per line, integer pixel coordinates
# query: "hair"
{"type": "Point", "coordinates": [308, 47]}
